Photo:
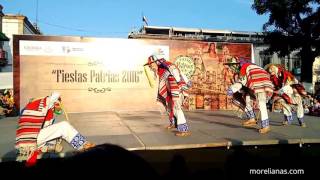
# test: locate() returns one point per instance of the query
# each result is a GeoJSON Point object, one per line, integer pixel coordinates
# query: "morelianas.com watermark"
{"type": "Point", "coordinates": [271, 171]}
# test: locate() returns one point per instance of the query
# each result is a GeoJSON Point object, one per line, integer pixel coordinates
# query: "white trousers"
{"type": "Point", "coordinates": [61, 129]}
{"type": "Point", "coordinates": [298, 100]}
{"type": "Point", "coordinates": [249, 109]}
{"type": "Point", "coordinates": [262, 103]}
{"type": "Point", "coordinates": [287, 110]}
{"type": "Point", "coordinates": [177, 110]}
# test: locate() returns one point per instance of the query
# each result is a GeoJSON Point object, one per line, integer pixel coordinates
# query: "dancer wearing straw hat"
{"type": "Point", "coordinates": [171, 90]}
{"type": "Point", "coordinates": [258, 81]}
{"type": "Point", "coordinates": [289, 92]}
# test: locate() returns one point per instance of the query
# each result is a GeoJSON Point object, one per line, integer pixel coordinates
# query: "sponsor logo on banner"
{"type": "Point", "coordinates": [186, 65]}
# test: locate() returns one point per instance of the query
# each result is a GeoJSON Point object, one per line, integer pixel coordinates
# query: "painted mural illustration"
{"type": "Point", "coordinates": [202, 62]}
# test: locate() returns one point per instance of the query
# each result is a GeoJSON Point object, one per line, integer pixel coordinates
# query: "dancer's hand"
{"type": "Point", "coordinates": [229, 92]}
{"type": "Point", "coordinates": [185, 102]}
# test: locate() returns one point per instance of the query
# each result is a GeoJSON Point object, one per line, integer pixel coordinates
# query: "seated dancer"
{"type": "Point", "coordinates": [171, 90]}
{"type": "Point", "coordinates": [253, 80]}
{"type": "Point", "coordinates": [289, 92]}
{"type": "Point", "coordinates": [37, 130]}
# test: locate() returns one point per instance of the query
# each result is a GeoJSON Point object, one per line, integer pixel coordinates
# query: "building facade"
{"type": "Point", "coordinates": [3, 38]}
{"type": "Point", "coordinates": [3, 53]}
{"type": "Point", "coordinates": [292, 62]}
{"type": "Point", "coordinates": [13, 24]}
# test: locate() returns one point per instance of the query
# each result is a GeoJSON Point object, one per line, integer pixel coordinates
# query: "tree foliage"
{"type": "Point", "coordinates": [293, 25]}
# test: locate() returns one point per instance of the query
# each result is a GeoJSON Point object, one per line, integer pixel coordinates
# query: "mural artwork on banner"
{"type": "Point", "coordinates": [99, 74]}
{"type": "Point", "coordinates": [202, 62]}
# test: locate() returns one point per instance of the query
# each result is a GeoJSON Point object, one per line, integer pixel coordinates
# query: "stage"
{"type": "Point", "coordinates": [146, 131]}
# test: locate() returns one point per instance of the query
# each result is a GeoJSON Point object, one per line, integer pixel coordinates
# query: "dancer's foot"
{"type": "Point", "coordinates": [87, 145]}
{"type": "Point", "coordinates": [171, 126]}
{"type": "Point", "coordinates": [264, 130]}
{"type": "Point", "coordinates": [304, 125]}
{"type": "Point", "coordinates": [250, 122]}
{"type": "Point", "coordinates": [183, 134]}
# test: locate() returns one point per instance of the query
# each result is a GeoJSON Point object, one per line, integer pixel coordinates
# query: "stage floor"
{"type": "Point", "coordinates": [146, 131]}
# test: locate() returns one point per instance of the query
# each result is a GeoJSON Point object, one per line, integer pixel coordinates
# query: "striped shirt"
{"type": "Point", "coordinates": [171, 85]}
{"type": "Point", "coordinates": [257, 79]}
{"type": "Point", "coordinates": [34, 117]}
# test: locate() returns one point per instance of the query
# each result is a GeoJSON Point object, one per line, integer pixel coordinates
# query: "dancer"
{"type": "Point", "coordinates": [291, 92]}
{"type": "Point", "coordinates": [257, 80]}
{"type": "Point", "coordinates": [37, 130]}
{"type": "Point", "coordinates": [171, 90]}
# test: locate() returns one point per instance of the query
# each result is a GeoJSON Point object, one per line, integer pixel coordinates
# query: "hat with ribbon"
{"type": "Point", "coordinates": [55, 96]}
{"type": "Point", "coordinates": [156, 56]}
{"type": "Point", "coordinates": [232, 61]}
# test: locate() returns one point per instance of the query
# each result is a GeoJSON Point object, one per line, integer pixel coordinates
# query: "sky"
{"type": "Point", "coordinates": [117, 18]}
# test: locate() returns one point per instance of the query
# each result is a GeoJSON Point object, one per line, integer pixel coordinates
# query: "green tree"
{"type": "Point", "coordinates": [292, 25]}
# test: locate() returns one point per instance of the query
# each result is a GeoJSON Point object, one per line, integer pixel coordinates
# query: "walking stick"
{"type": "Point", "coordinates": [59, 140]}
{"type": "Point", "coordinates": [149, 77]}
{"type": "Point", "coordinates": [65, 112]}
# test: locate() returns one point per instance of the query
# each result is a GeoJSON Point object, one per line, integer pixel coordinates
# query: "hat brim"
{"type": "Point", "coordinates": [266, 67]}
{"type": "Point", "coordinates": [148, 63]}
{"type": "Point", "coordinates": [231, 63]}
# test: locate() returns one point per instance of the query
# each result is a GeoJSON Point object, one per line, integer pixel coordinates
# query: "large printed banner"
{"type": "Point", "coordinates": [106, 74]}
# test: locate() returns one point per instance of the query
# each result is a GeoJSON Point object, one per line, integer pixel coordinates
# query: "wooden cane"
{"type": "Point", "coordinates": [65, 112]}
{"type": "Point", "coordinates": [149, 77]}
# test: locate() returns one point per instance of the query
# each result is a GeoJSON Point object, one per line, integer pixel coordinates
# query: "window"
{"type": "Point", "coordinates": [296, 65]}
{"type": "Point", "coordinates": [265, 59]}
